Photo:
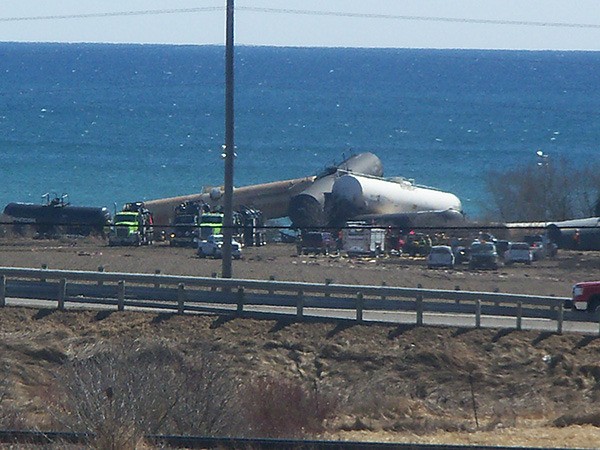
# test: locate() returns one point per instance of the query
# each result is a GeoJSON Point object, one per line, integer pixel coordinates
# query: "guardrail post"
{"type": "Point", "coordinates": [561, 317]}
{"type": "Point", "coordinates": [213, 275]}
{"type": "Point", "coordinates": [44, 267]}
{"type": "Point", "coordinates": [181, 298]}
{"type": "Point", "coordinates": [383, 285]}
{"type": "Point", "coordinates": [359, 307]}
{"type": "Point", "coordinates": [240, 300]}
{"type": "Point", "coordinates": [271, 278]}
{"type": "Point", "coordinates": [300, 305]}
{"type": "Point", "coordinates": [62, 293]}
{"type": "Point", "coordinates": [419, 310]}
{"type": "Point", "coordinates": [457, 288]}
{"type": "Point", "coordinates": [121, 296]}
{"type": "Point", "coordinates": [157, 272]}
{"type": "Point", "coordinates": [100, 269]}
{"type": "Point", "coordinates": [519, 316]}
{"type": "Point", "coordinates": [2, 290]}
{"type": "Point", "coordinates": [328, 281]}
{"type": "Point", "coordinates": [477, 313]}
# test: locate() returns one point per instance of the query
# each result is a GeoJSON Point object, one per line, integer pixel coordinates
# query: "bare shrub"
{"type": "Point", "coordinates": [209, 402]}
{"type": "Point", "coordinates": [277, 407]}
{"type": "Point", "coordinates": [121, 394]}
{"type": "Point", "coordinates": [583, 418]}
{"type": "Point", "coordinates": [551, 190]}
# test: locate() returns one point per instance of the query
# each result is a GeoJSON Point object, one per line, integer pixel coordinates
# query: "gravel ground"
{"type": "Point", "coordinates": [547, 277]}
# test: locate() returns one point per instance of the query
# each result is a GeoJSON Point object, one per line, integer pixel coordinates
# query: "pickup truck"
{"type": "Point", "coordinates": [586, 297]}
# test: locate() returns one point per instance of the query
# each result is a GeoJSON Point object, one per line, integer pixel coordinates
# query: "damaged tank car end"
{"type": "Point", "coordinates": [307, 209]}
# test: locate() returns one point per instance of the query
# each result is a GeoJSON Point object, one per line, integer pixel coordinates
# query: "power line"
{"type": "Point", "coordinates": [310, 13]}
{"type": "Point", "coordinates": [419, 18]}
{"type": "Point", "coordinates": [113, 14]}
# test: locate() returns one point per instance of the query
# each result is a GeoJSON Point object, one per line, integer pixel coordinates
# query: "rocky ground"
{"type": "Point", "coordinates": [405, 384]}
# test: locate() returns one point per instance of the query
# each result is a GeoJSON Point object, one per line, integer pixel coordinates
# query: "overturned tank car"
{"type": "Point", "coordinates": [307, 209]}
{"type": "Point", "coordinates": [393, 202]}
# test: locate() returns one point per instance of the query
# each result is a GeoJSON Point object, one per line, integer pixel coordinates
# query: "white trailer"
{"type": "Point", "coordinates": [358, 239]}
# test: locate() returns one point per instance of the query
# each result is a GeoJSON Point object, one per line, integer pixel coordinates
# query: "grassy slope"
{"type": "Point", "coordinates": [393, 383]}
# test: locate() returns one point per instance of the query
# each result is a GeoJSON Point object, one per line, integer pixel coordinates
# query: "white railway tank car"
{"type": "Point", "coordinates": [361, 195]}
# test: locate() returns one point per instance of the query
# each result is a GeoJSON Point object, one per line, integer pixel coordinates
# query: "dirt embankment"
{"type": "Point", "coordinates": [391, 383]}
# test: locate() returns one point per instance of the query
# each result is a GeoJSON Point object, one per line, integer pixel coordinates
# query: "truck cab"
{"type": "Point", "coordinates": [185, 230]}
{"type": "Point", "coordinates": [211, 223]}
{"type": "Point", "coordinates": [132, 226]}
{"type": "Point", "coordinates": [585, 297]}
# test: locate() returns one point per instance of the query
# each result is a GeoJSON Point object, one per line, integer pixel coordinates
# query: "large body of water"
{"type": "Point", "coordinates": [114, 123]}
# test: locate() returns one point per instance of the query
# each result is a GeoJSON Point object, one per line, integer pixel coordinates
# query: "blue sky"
{"type": "Point", "coordinates": [333, 23]}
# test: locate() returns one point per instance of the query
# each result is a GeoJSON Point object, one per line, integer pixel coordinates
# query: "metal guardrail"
{"type": "Point", "coordinates": [242, 296]}
{"type": "Point", "coordinates": [205, 442]}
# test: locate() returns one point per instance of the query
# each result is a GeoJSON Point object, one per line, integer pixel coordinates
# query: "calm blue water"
{"type": "Point", "coordinates": [117, 123]}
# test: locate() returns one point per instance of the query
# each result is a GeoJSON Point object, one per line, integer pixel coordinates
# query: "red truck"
{"type": "Point", "coordinates": [586, 297]}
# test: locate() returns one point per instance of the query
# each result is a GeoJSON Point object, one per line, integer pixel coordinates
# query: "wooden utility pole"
{"type": "Point", "coordinates": [229, 146]}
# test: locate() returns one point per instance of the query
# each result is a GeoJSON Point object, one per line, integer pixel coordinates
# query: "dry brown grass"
{"type": "Point", "coordinates": [381, 382]}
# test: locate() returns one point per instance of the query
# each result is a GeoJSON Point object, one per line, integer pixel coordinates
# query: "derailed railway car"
{"type": "Point", "coordinates": [307, 208]}
{"type": "Point", "coordinates": [577, 234]}
{"type": "Point", "coordinates": [392, 202]}
{"type": "Point", "coordinates": [58, 217]}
